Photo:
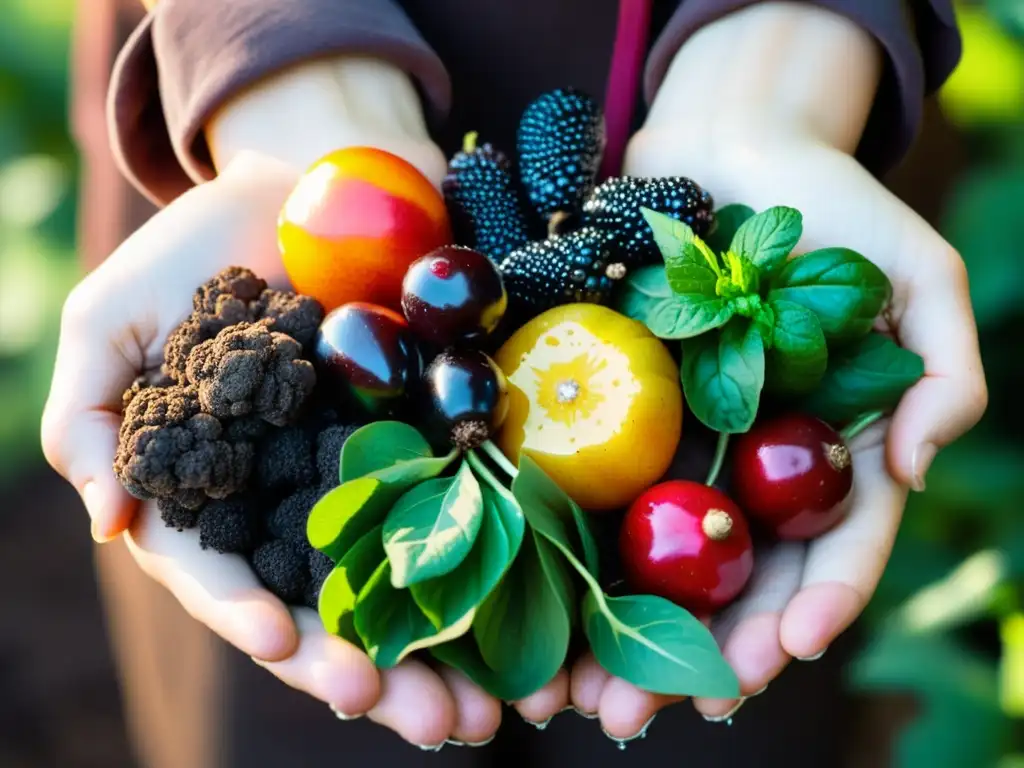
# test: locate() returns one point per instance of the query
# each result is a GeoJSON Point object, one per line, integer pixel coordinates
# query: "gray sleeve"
{"type": "Point", "coordinates": [919, 37]}
{"type": "Point", "coordinates": [189, 56]}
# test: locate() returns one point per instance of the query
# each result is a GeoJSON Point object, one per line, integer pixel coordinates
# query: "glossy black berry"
{"type": "Point", "coordinates": [467, 396]}
{"type": "Point", "coordinates": [453, 295]}
{"type": "Point", "coordinates": [482, 201]}
{"type": "Point", "coordinates": [616, 205]}
{"type": "Point", "coordinates": [580, 266]}
{"type": "Point", "coordinates": [560, 141]}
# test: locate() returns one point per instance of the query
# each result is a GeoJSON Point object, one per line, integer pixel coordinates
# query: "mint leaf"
{"type": "Point", "coordinates": [670, 235]}
{"type": "Point", "coordinates": [799, 355]}
{"type": "Point", "coordinates": [689, 277]}
{"type": "Point", "coordinates": [727, 220]}
{"type": "Point", "coordinates": [871, 374]}
{"type": "Point", "coordinates": [841, 287]}
{"type": "Point", "coordinates": [723, 375]}
{"type": "Point", "coordinates": [769, 237]}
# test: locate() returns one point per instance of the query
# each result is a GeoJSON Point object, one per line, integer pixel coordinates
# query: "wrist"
{"type": "Point", "coordinates": [300, 115]}
{"type": "Point", "coordinates": [772, 74]}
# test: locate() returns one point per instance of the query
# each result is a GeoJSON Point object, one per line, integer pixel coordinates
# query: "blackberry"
{"type": "Point", "coordinates": [560, 141]}
{"type": "Point", "coordinates": [615, 206]}
{"type": "Point", "coordinates": [579, 266]}
{"type": "Point", "coordinates": [482, 201]}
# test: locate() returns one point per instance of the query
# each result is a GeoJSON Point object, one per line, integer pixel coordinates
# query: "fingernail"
{"type": "Point", "coordinates": [432, 747]}
{"type": "Point", "coordinates": [815, 657]}
{"type": "Point", "coordinates": [539, 726]}
{"type": "Point", "coordinates": [727, 717]}
{"type": "Point", "coordinates": [457, 743]}
{"type": "Point", "coordinates": [585, 715]}
{"type": "Point", "coordinates": [757, 693]}
{"type": "Point", "coordinates": [342, 715]}
{"type": "Point", "coordinates": [641, 734]}
{"type": "Point", "coordinates": [93, 505]}
{"type": "Point", "coordinates": [921, 461]}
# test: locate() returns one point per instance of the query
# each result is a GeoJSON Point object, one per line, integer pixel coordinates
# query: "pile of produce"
{"type": "Point", "coordinates": [419, 442]}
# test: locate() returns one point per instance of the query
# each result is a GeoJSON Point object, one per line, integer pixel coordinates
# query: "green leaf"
{"type": "Point", "coordinates": [522, 630]}
{"type": "Point", "coordinates": [870, 375]}
{"type": "Point", "coordinates": [337, 602]}
{"type": "Point", "coordinates": [672, 236]}
{"type": "Point", "coordinates": [657, 646]}
{"type": "Point", "coordinates": [769, 237]}
{"type": "Point", "coordinates": [844, 289]}
{"type": "Point", "coordinates": [799, 354]}
{"type": "Point", "coordinates": [591, 554]}
{"type": "Point", "coordinates": [691, 278]}
{"type": "Point", "coordinates": [392, 452]}
{"type": "Point", "coordinates": [723, 375]}
{"type": "Point", "coordinates": [727, 220]}
{"type": "Point", "coordinates": [345, 514]}
{"type": "Point", "coordinates": [432, 527]}
{"type": "Point", "coordinates": [392, 626]}
{"type": "Point", "coordinates": [646, 640]}
{"type": "Point", "coordinates": [648, 298]}
{"type": "Point", "coordinates": [447, 598]}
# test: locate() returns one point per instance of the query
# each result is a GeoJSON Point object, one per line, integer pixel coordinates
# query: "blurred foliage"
{"type": "Point", "coordinates": [947, 621]}
{"type": "Point", "coordinates": [38, 175]}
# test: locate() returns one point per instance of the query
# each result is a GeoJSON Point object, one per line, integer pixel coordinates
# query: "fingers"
{"type": "Point", "coordinates": [416, 704]}
{"type": "Point", "coordinates": [547, 702]}
{"type": "Point", "coordinates": [937, 323]}
{"type": "Point", "coordinates": [587, 681]}
{"type": "Point", "coordinates": [80, 421]}
{"type": "Point", "coordinates": [626, 711]}
{"type": "Point", "coordinates": [844, 565]}
{"type": "Point", "coordinates": [477, 714]}
{"type": "Point", "coordinates": [219, 591]}
{"type": "Point", "coordinates": [748, 631]}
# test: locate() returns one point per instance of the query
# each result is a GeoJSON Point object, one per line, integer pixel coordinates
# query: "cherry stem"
{"type": "Point", "coordinates": [716, 463]}
{"type": "Point", "coordinates": [859, 424]}
{"type": "Point", "coordinates": [499, 458]}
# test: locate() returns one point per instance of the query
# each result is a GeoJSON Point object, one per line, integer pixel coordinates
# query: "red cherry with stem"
{"type": "Point", "coordinates": [793, 474]}
{"type": "Point", "coordinates": [688, 543]}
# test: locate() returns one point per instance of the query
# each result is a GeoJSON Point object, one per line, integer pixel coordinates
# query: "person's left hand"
{"type": "Point", "coordinates": [802, 596]}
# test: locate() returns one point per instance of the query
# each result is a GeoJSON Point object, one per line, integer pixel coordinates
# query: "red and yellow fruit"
{"type": "Point", "coordinates": [594, 398]}
{"type": "Point", "coordinates": [355, 222]}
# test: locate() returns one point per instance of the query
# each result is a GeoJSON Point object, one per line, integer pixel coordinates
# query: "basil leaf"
{"type": "Point", "coordinates": [392, 626]}
{"type": "Point", "coordinates": [392, 452]}
{"type": "Point", "coordinates": [769, 237]}
{"type": "Point", "coordinates": [657, 646]}
{"type": "Point", "coordinates": [522, 630]}
{"type": "Point", "coordinates": [432, 527]}
{"type": "Point", "coordinates": [869, 375]}
{"type": "Point", "coordinates": [845, 290]}
{"type": "Point", "coordinates": [723, 374]}
{"type": "Point", "coordinates": [647, 297]}
{"type": "Point", "coordinates": [337, 602]}
{"type": "Point", "coordinates": [632, 635]}
{"type": "Point", "coordinates": [727, 220]}
{"type": "Point", "coordinates": [347, 513]}
{"type": "Point", "coordinates": [446, 598]}
{"type": "Point", "coordinates": [799, 355]}
{"type": "Point", "coordinates": [671, 235]}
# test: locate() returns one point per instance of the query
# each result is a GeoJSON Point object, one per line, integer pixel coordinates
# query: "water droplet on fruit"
{"type": "Point", "coordinates": [567, 391]}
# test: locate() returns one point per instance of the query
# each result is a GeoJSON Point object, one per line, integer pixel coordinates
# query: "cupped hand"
{"type": "Point", "coordinates": [803, 596]}
{"type": "Point", "coordinates": [113, 328]}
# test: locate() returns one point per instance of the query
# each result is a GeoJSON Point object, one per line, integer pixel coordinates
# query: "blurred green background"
{"type": "Point", "coordinates": [947, 624]}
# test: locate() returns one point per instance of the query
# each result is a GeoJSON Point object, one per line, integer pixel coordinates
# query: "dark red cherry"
{"type": "Point", "coordinates": [367, 358]}
{"type": "Point", "coordinates": [453, 295]}
{"type": "Point", "coordinates": [793, 475]}
{"type": "Point", "coordinates": [467, 397]}
{"type": "Point", "coordinates": [686, 542]}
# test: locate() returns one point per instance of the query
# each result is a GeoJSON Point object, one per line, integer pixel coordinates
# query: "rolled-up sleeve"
{"type": "Point", "coordinates": [190, 56]}
{"type": "Point", "coordinates": [920, 39]}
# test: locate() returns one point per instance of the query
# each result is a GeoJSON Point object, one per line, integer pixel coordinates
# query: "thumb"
{"type": "Point", "coordinates": [82, 415]}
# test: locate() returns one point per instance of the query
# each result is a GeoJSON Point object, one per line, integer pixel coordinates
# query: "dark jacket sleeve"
{"type": "Point", "coordinates": [919, 37]}
{"type": "Point", "coordinates": [189, 56]}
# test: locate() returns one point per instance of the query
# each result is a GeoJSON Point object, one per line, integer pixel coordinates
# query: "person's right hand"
{"type": "Point", "coordinates": [113, 328]}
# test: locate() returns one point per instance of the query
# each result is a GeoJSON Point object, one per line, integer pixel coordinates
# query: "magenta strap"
{"type": "Point", "coordinates": [624, 76]}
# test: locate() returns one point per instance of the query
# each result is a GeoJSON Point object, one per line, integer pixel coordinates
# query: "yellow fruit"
{"type": "Point", "coordinates": [595, 400]}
